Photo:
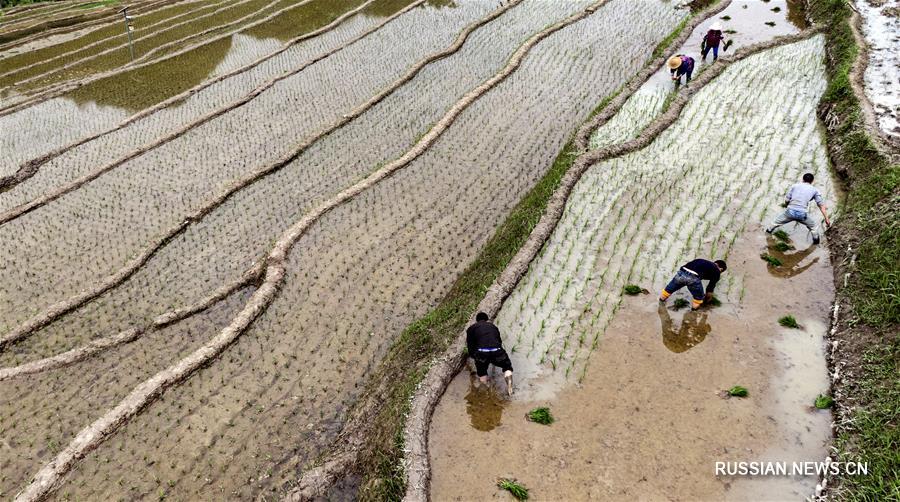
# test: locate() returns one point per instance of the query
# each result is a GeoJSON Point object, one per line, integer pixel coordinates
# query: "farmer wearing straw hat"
{"type": "Point", "coordinates": [485, 347]}
{"type": "Point", "coordinates": [711, 41]}
{"type": "Point", "coordinates": [692, 274]}
{"type": "Point", "coordinates": [681, 65]}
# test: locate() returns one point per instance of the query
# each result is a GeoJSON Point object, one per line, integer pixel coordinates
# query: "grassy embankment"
{"type": "Point", "coordinates": [868, 391]}
{"type": "Point", "coordinates": [407, 360]}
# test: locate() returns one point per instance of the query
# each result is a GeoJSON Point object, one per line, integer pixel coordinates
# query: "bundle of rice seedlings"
{"type": "Point", "coordinates": [771, 260]}
{"type": "Point", "coordinates": [789, 321]}
{"type": "Point", "coordinates": [738, 391]}
{"type": "Point", "coordinates": [781, 235]}
{"type": "Point", "coordinates": [513, 487]}
{"type": "Point", "coordinates": [632, 289]}
{"type": "Point", "coordinates": [540, 415]}
{"type": "Point", "coordinates": [824, 402]}
{"type": "Point", "coordinates": [681, 303]}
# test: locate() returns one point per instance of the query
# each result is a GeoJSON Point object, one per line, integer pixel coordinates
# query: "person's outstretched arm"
{"type": "Point", "coordinates": [821, 203]}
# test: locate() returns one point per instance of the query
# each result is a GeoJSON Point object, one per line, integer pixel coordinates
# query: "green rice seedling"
{"type": "Point", "coordinates": [789, 321]}
{"type": "Point", "coordinates": [771, 260]}
{"type": "Point", "coordinates": [632, 289]}
{"type": "Point", "coordinates": [731, 32]}
{"type": "Point", "coordinates": [513, 487]}
{"type": "Point", "coordinates": [776, 9]}
{"type": "Point", "coordinates": [782, 247]}
{"type": "Point", "coordinates": [824, 402]}
{"type": "Point", "coordinates": [680, 303]}
{"type": "Point", "coordinates": [781, 235]}
{"type": "Point", "coordinates": [714, 302]}
{"type": "Point", "coordinates": [738, 391]}
{"type": "Point", "coordinates": [770, 23]}
{"type": "Point", "coordinates": [541, 416]}
{"type": "Point", "coordinates": [725, 18]}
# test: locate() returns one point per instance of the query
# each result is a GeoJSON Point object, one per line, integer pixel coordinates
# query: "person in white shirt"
{"type": "Point", "coordinates": [797, 203]}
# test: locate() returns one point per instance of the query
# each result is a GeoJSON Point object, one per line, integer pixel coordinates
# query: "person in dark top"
{"type": "Point", "coordinates": [691, 274]}
{"type": "Point", "coordinates": [711, 41]}
{"type": "Point", "coordinates": [681, 65]}
{"type": "Point", "coordinates": [485, 347]}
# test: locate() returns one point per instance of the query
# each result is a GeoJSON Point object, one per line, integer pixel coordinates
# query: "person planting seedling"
{"type": "Point", "coordinates": [486, 348]}
{"type": "Point", "coordinates": [692, 274]}
{"type": "Point", "coordinates": [681, 65]}
{"type": "Point", "coordinates": [711, 40]}
{"type": "Point", "coordinates": [796, 204]}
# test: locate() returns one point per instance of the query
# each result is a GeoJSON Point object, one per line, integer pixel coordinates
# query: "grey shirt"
{"type": "Point", "coordinates": [799, 196]}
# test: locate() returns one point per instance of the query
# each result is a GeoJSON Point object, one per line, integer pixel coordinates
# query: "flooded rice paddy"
{"type": "Point", "coordinates": [881, 28]}
{"type": "Point", "coordinates": [625, 376]}
{"type": "Point", "coordinates": [160, 213]}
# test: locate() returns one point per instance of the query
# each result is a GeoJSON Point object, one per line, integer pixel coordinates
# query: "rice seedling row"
{"type": "Point", "coordinates": [90, 63]}
{"type": "Point", "coordinates": [880, 24]}
{"type": "Point", "coordinates": [329, 395]}
{"type": "Point", "coordinates": [32, 147]}
{"type": "Point", "coordinates": [294, 190]}
{"type": "Point", "coordinates": [592, 255]}
{"type": "Point", "coordinates": [40, 414]}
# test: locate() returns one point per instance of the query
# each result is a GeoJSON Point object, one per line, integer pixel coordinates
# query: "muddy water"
{"type": "Point", "coordinates": [881, 27]}
{"type": "Point", "coordinates": [648, 422]}
{"type": "Point", "coordinates": [373, 266]}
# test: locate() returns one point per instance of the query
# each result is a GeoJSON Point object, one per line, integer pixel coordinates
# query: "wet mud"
{"type": "Point", "coordinates": [881, 28]}
{"type": "Point", "coordinates": [648, 422]}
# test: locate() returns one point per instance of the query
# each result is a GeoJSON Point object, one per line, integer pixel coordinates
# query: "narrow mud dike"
{"type": "Point", "coordinates": [60, 89]}
{"type": "Point", "coordinates": [448, 364]}
{"type": "Point", "coordinates": [47, 479]}
{"type": "Point", "coordinates": [31, 167]}
{"type": "Point", "coordinates": [75, 355]}
{"type": "Point", "coordinates": [63, 307]}
{"type": "Point", "coordinates": [147, 34]}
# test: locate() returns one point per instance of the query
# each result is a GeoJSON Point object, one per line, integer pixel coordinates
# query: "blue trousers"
{"type": "Point", "coordinates": [682, 279]}
{"type": "Point", "coordinates": [715, 50]}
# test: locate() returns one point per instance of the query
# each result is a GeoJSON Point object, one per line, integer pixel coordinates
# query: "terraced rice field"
{"type": "Point", "coordinates": [703, 187]}
{"type": "Point", "coordinates": [199, 283]}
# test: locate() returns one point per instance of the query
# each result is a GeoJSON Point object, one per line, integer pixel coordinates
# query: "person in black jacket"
{"type": "Point", "coordinates": [485, 347]}
{"type": "Point", "coordinates": [691, 274]}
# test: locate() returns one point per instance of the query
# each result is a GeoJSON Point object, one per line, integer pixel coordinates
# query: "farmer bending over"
{"type": "Point", "coordinates": [485, 347]}
{"type": "Point", "coordinates": [691, 274]}
{"type": "Point", "coordinates": [797, 202]}
{"type": "Point", "coordinates": [711, 41]}
{"type": "Point", "coordinates": [681, 65]}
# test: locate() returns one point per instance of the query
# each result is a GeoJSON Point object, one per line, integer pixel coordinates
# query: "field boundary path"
{"type": "Point", "coordinates": [448, 364]}
{"type": "Point", "coordinates": [48, 478]}
{"type": "Point", "coordinates": [29, 168]}
{"type": "Point", "coordinates": [63, 307]}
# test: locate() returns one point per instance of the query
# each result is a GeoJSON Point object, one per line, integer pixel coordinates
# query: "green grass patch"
{"type": "Point", "coordinates": [824, 402]}
{"type": "Point", "coordinates": [681, 303]}
{"type": "Point", "coordinates": [771, 260]}
{"type": "Point", "coordinates": [541, 415]}
{"type": "Point", "coordinates": [788, 321]}
{"type": "Point", "coordinates": [632, 289]}
{"type": "Point", "coordinates": [738, 391]}
{"type": "Point", "coordinates": [513, 487]}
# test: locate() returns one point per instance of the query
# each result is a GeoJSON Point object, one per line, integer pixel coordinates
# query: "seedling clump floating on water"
{"type": "Point", "coordinates": [782, 247]}
{"type": "Point", "coordinates": [788, 321]}
{"type": "Point", "coordinates": [726, 18]}
{"type": "Point", "coordinates": [540, 415]}
{"type": "Point", "coordinates": [770, 23]}
{"type": "Point", "coordinates": [776, 9]}
{"type": "Point", "coordinates": [738, 391]}
{"type": "Point", "coordinates": [632, 289]}
{"type": "Point", "coordinates": [680, 303]}
{"type": "Point", "coordinates": [771, 260]}
{"type": "Point", "coordinates": [824, 402]}
{"type": "Point", "coordinates": [518, 491]}
{"type": "Point", "coordinates": [714, 302]}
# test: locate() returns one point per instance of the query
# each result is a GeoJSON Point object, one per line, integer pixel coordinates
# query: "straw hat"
{"type": "Point", "coordinates": [716, 26]}
{"type": "Point", "coordinates": [673, 62]}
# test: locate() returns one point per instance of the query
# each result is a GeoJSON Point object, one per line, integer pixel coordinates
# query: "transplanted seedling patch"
{"type": "Point", "coordinates": [540, 415]}
{"type": "Point", "coordinates": [782, 247]}
{"type": "Point", "coordinates": [738, 391]}
{"type": "Point", "coordinates": [771, 260]}
{"type": "Point", "coordinates": [681, 303]}
{"type": "Point", "coordinates": [789, 321]}
{"type": "Point", "coordinates": [634, 289]}
{"type": "Point", "coordinates": [781, 235]}
{"type": "Point", "coordinates": [513, 487]}
{"type": "Point", "coordinates": [824, 402]}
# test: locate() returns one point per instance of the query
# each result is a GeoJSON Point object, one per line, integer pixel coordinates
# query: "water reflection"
{"type": "Point", "coordinates": [693, 330]}
{"type": "Point", "coordinates": [484, 405]}
{"type": "Point", "coordinates": [790, 261]}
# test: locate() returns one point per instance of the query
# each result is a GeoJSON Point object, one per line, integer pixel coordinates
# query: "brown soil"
{"type": "Point", "coordinates": [631, 430]}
